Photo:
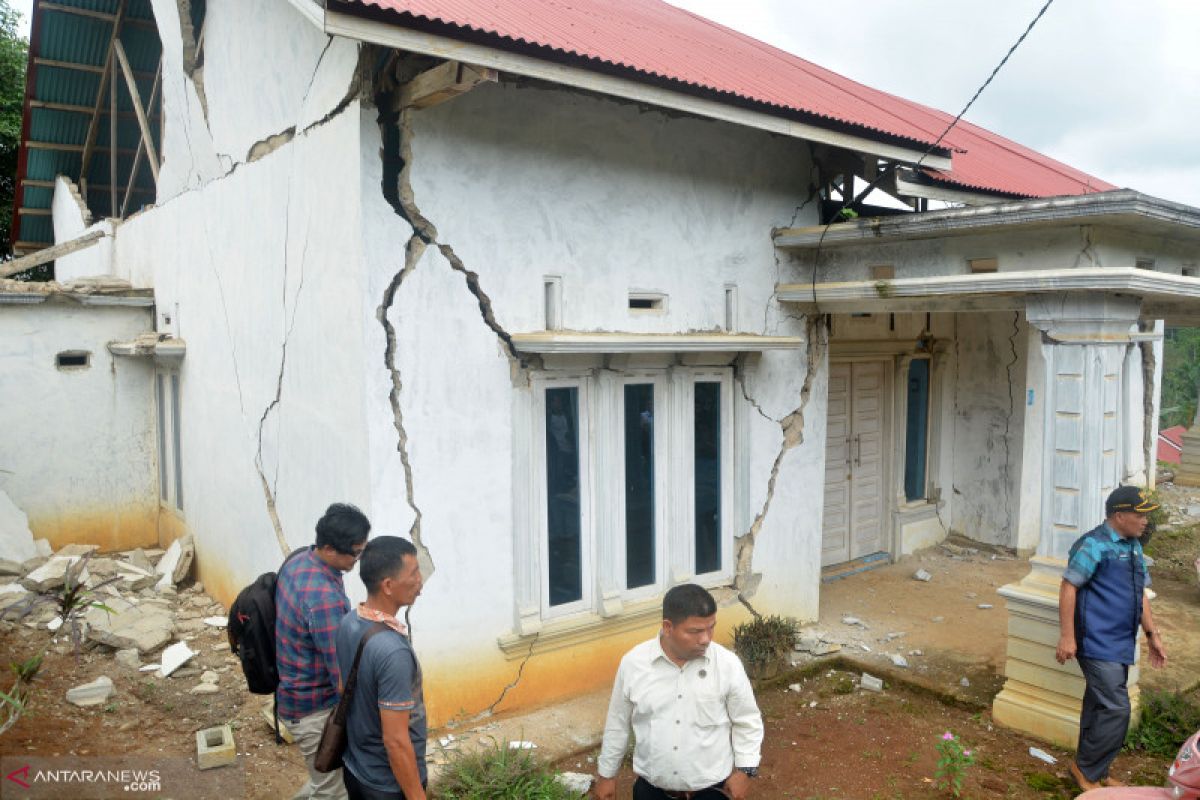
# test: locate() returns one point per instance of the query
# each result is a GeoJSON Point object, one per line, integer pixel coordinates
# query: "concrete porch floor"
{"type": "Point", "coordinates": [942, 619]}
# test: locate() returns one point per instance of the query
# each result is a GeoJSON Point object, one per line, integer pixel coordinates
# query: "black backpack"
{"type": "Point", "coordinates": [251, 632]}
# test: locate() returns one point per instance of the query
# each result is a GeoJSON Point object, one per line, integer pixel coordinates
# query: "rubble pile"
{"type": "Point", "coordinates": [139, 613]}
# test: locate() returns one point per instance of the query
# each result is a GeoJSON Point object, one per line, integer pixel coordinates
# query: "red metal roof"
{"type": "Point", "coordinates": [1170, 444]}
{"type": "Point", "coordinates": [655, 39]}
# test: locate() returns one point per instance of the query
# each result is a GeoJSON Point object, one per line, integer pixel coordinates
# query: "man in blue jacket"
{"type": "Point", "coordinates": [1101, 602]}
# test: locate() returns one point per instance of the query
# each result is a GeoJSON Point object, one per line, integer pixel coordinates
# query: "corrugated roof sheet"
{"type": "Point", "coordinates": [654, 39]}
{"type": "Point", "coordinates": [57, 35]}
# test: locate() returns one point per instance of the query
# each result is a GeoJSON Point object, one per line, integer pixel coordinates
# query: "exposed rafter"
{"type": "Point", "coordinates": [94, 125]}
{"type": "Point", "coordinates": [147, 141]}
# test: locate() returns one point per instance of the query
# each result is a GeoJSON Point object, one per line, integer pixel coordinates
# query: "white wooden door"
{"type": "Point", "coordinates": [853, 518]}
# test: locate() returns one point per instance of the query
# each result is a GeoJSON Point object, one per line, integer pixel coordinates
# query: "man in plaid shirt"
{"type": "Point", "coordinates": [310, 601]}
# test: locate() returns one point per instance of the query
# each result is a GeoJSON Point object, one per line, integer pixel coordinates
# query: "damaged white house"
{"type": "Point", "coordinates": [551, 289]}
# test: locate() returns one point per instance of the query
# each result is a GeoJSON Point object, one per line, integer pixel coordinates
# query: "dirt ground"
{"type": "Point", "coordinates": [863, 745]}
{"type": "Point", "coordinates": [851, 744]}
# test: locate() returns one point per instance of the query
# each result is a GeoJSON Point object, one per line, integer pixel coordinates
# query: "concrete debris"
{"type": "Point", "coordinates": [215, 747]}
{"type": "Point", "coordinates": [938, 619]}
{"type": "Point", "coordinates": [865, 646]}
{"type": "Point", "coordinates": [12, 594]}
{"type": "Point", "coordinates": [899, 660]}
{"type": "Point", "coordinates": [985, 606]}
{"type": "Point", "coordinates": [522, 746]}
{"type": "Point", "coordinates": [826, 648]}
{"type": "Point", "coordinates": [216, 622]}
{"type": "Point", "coordinates": [965, 683]}
{"type": "Point", "coordinates": [10, 567]}
{"type": "Point", "coordinates": [43, 548]}
{"type": "Point", "coordinates": [144, 628]}
{"type": "Point", "coordinates": [210, 676]}
{"type": "Point", "coordinates": [52, 574]}
{"type": "Point", "coordinates": [922, 575]}
{"type": "Point", "coordinates": [54, 624]}
{"type": "Point", "coordinates": [916, 652]}
{"type": "Point", "coordinates": [576, 782]}
{"type": "Point", "coordinates": [16, 541]}
{"type": "Point", "coordinates": [175, 564]}
{"type": "Point", "coordinates": [895, 635]}
{"type": "Point", "coordinates": [853, 621]}
{"type": "Point", "coordinates": [175, 657]}
{"type": "Point", "coordinates": [1042, 755]}
{"type": "Point", "coordinates": [870, 683]}
{"type": "Point", "coordinates": [128, 658]}
{"type": "Point", "coordinates": [30, 564]}
{"type": "Point", "coordinates": [204, 688]}
{"type": "Point", "coordinates": [91, 694]}
{"type": "Point", "coordinates": [795, 687]}
{"type": "Point", "coordinates": [139, 559]}
{"type": "Point", "coordinates": [149, 668]}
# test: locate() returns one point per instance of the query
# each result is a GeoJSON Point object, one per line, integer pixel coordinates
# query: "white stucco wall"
{"type": "Point", "coordinates": [71, 221]}
{"type": "Point", "coordinates": [264, 259]}
{"type": "Point", "coordinates": [988, 427]}
{"type": "Point", "coordinates": [78, 452]}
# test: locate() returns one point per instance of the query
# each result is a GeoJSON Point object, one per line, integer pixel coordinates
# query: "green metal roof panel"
{"type": "Point", "coordinates": [76, 39]}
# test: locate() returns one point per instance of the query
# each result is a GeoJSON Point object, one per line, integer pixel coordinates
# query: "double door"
{"type": "Point", "coordinates": [854, 509]}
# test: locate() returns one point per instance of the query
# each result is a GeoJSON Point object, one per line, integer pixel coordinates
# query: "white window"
{"type": "Point", "coordinates": [631, 485]}
{"type": "Point", "coordinates": [170, 456]}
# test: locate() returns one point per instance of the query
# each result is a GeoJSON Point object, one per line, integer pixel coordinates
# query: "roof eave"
{"type": "Point", "coordinates": [365, 28]}
{"type": "Point", "coordinates": [1124, 207]}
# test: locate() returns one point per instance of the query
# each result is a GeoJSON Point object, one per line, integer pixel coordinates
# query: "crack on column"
{"type": "Point", "coordinates": [1012, 410]}
{"type": "Point", "coordinates": [1149, 367]}
{"type": "Point", "coordinates": [491, 709]}
{"type": "Point", "coordinates": [1086, 251]}
{"type": "Point", "coordinates": [792, 427]}
{"type": "Point", "coordinates": [740, 377]}
{"type": "Point", "coordinates": [813, 189]}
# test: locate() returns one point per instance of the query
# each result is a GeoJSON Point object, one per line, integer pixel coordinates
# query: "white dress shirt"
{"type": "Point", "coordinates": [692, 724]}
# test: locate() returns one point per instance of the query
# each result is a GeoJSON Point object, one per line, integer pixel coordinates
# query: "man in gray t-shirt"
{"type": "Point", "coordinates": [385, 728]}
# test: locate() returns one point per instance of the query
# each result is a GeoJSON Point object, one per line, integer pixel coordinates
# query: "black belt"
{"type": "Point", "coordinates": [685, 794]}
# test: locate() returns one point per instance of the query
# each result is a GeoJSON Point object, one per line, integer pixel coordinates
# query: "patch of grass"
{"type": "Point", "coordinates": [1166, 720]}
{"type": "Point", "coordinates": [1050, 785]}
{"type": "Point", "coordinates": [499, 773]}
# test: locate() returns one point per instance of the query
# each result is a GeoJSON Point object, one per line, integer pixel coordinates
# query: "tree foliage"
{"type": "Point", "coordinates": [1181, 376]}
{"type": "Point", "coordinates": [13, 58]}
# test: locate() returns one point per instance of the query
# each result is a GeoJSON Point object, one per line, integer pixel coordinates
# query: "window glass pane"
{"type": "Point", "coordinates": [916, 430]}
{"type": "Point", "coordinates": [565, 564]}
{"type": "Point", "coordinates": [707, 470]}
{"type": "Point", "coordinates": [175, 441]}
{"type": "Point", "coordinates": [162, 437]}
{"type": "Point", "coordinates": [639, 485]}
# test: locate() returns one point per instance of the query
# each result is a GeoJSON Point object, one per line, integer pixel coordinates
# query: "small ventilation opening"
{"type": "Point", "coordinates": [1188, 272]}
{"type": "Point", "coordinates": [73, 359]}
{"type": "Point", "coordinates": [1144, 263]}
{"type": "Point", "coordinates": [647, 302]}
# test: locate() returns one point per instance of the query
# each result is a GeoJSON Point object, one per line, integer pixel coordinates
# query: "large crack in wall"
{"type": "Point", "coordinates": [1012, 410]}
{"type": "Point", "coordinates": [745, 582]}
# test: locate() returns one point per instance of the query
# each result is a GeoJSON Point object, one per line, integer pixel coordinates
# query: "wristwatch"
{"type": "Point", "coordinates": [751, 772]}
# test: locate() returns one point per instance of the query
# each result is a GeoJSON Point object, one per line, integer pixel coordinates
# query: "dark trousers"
{"type": "Point", "coordinates": [644, 790]}
{"type": "Point", "coordinates": [360, 791]}
{"type": "Point", "coordinates": [1104, 719]}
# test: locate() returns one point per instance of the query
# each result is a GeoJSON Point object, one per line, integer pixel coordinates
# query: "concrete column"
{"type": "Point", "coordinates": [1071, 459]}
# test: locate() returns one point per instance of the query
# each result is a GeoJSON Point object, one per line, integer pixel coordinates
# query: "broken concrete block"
{"type": "Point", "coordinates": [175, 657]}
{"type": "Point", "coordinates": [128, 658]}
{"type": "Point", "coordinates": [145, 629]}
{"type": "Point", "coordinates": [216, 622]}
{"type": "Point", "coordinates": [175, 564]}
{"type": "Point", "coordinates": [209, 676]}
{"type": "Point", "coordinates": [52, 574]}
{"type": "Point", "coordinates": [139, 559]}
{"type": "Point", "coordinates": [985, 606]}
{"type": "Point", "coordinates": [826, 648]}
{"type": "Point", "coordinates": [922, 575]}
{"type": "Point", "coordinates": [11, 567]}
{"type": "Point", "coordinates": [870, 683]}
{"type": "Point", "coordinates": [853, 621]}
{"type": "Point", "coordinates": [204, 688]}
{"type": "Point", "coordinates": [12, 594]}
{"type": "Point", "coordinates": [16, 542]}
{"type": "Point", "coordinates": [575, 782]}
{"type": "Point", "coordinates": [133, 578]}
{"type": "Point", "coordinates": [91, 694]}
{"type": "Point", "coordinates": [899, 660]}
{"type": "Point", "coordinates": [215, 748]}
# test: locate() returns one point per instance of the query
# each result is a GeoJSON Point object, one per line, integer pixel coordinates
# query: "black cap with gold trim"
{"type": "Point", "coordinates": [1129, 498]}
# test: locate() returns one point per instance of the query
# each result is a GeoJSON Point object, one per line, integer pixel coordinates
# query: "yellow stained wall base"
{"type": "Point", "coordinates": [112, 529]}
{"type": "Point", "coordinates": [1040, 696]}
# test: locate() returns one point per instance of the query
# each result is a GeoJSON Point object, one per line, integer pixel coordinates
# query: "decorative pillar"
{"type": "Point", "coordinates": [1071, 459]}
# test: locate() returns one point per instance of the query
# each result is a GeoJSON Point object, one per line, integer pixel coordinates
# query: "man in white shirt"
{"type": "Point", "coordinates": [689, 705]}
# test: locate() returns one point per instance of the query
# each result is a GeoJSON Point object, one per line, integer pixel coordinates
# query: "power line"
{"type": "Point", "coordinates": [847, 203]}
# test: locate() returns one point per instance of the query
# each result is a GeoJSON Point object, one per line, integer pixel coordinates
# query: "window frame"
{"type": "Point", "coordinates": [662, 458]}
{"type": "Point", "coordinates": [168, 400]}
{"type": "Point", "coordinates": [586, 602]}
{"type": "Point", "coordinates": [724, 377]}
{"type": "Point", "coordinates": [902, 430]}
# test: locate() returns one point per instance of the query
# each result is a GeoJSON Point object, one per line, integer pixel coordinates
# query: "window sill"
{"type": "Point", "coordinates": [917, 510]}
{"type": "Point", "coordinates": [571, 631]}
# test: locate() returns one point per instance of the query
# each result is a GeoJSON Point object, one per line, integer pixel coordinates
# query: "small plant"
{"type": "Point", "coordinates": [499, 773]}
{"type": "Point", "coordinates": [16, 699]}
{"type": "Point", "coordinates": [70, 601]}
{"type": "Point", "coordinates": [953, 761]}
{"type": "Point", "coordinates": [763, 643]}
{"type": "Point", "coordinates": [1166, 720]}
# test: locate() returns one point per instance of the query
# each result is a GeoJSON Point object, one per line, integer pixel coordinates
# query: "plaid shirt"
{"type": "Point", "coordinates": [310, 601]}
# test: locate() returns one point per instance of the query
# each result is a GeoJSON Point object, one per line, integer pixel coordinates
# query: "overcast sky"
{"type": "Point", "coordinates": [1109, 86]}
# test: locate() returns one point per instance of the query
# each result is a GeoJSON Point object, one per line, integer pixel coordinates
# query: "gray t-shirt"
{"type": "Point", "coordinates": [389, 678]}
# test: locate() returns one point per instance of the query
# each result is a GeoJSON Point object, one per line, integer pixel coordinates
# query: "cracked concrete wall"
{"type": "Point", "coordinates": [258, 272]}
{"type": "Point", "coordinates": [612, 198]}
{"type": "Point", "coordinates": [72, 219]}
{"type": "Point", "coordinates": [989, 416]}
{"type": "Point", "coordinates": [78, 452]}
{"type": "Point", "coordinates": [266, 69]}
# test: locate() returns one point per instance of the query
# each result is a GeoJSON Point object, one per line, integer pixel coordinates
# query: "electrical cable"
{"type": "Point", "coordinates": [894, 165]}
